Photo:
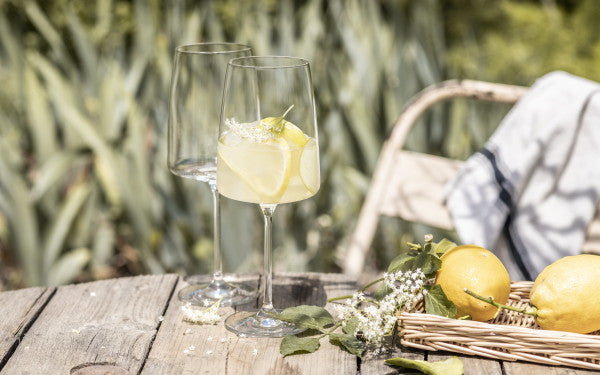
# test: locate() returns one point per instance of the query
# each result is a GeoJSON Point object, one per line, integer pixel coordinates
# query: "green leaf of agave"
{"type": "Point", "coordinates": [437, 303]}
{"type": "Point", "coordinates": [293, 344]}
{"type": "Point", "coordinates": [450, 366]}
{"type": "Point", "coordinates": [306, 316]}
{"type": "Point", "coordinates": [349, 342]}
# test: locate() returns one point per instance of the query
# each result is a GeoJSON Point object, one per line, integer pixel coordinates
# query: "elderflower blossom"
{"type": "Point", "coordinates": [209, 315]}
{"type": "Point", "coordinates": [254, 131]}
{"type": "Point", "coordinates": [376, 319]}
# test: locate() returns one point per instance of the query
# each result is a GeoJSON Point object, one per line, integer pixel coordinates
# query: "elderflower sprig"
{"type": "Point", "coordinates": [208, 315]}
{"type": "Point", "coordinates": [366, 319]}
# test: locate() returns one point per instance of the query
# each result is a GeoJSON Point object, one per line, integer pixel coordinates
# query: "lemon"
{"type": "Point", "coordinates": [565, 294]}
{"type": "Point", "coordinates": [479, 270]}
{"type": "Point", "coordinates": [265, 167]}
{"type": "Point", "coordinates": [309, 166]}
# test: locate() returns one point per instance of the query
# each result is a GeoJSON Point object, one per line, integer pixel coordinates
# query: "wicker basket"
{"type": "Point", "coordinates": [509, 337]}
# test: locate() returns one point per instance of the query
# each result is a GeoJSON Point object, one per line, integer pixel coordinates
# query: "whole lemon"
{"type": "Point", "coordinates": [566, 296]}
{"type": "Point", "coordinates": [479, 270]}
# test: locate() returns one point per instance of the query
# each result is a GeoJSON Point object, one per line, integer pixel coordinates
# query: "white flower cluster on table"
{"type": "Point", "coordinates": [376, 318]}
{"type": "Point", "coordinates": [209, 315]}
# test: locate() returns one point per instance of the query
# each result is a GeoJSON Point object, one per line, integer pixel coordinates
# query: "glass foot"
{"type": "Point", "coordinates": [230, 294]}
{"type": "Point", "coordinates": [255, 324]}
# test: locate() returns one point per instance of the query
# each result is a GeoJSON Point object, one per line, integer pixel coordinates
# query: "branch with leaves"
{"type": "Point", "coordinates": [365, 319]}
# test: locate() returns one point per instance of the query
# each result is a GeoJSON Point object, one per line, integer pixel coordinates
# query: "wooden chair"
{"type": "Point", "coordinates": [411, 185]}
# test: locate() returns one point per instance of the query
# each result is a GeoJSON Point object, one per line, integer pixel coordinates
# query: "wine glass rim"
{"type": "Point", "coordinates": [213, 48]}
{"type": "Point", "coordinates": [286, 62]}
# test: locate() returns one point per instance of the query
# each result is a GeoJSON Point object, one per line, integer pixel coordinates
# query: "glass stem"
{"type": "Point", "coordinates": [267, 210]}
{"type": "Point", "coordinates": [217, 256]}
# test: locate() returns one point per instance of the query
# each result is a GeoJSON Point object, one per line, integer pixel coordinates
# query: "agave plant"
{"type": "Point", "coordinates": [84, 189]}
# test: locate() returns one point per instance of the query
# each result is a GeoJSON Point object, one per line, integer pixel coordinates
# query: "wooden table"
{"type": "Point", "coordinates": [134, 326]}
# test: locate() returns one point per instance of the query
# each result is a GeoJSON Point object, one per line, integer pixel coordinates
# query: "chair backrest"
{"type": "Point", "coordinates": [411, 185]}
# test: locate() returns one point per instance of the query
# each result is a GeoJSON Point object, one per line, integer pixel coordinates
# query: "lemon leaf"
{"type": "Point", "coordinates": [450, 366]}
{"type": "Point", "coordinates": [350, 326]}
{"type": "Point", "coordinates": [298, 345]}
{"type": "Point", "coordinates": [348, 342]}
{"type": "Point", "coordinates": [428, 263]}
{"type": "Point", "coordinates": [437, 303]}
{"type": "Point", "coordinates": [401, 263]}
{"type": "Point", "coordinates": [444, 245]}
{"type": "Point", "coordinates": [307, 316]}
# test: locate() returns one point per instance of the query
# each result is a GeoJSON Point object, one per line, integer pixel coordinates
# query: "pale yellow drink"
{"type": "Point", "coordinates": [261, 163]}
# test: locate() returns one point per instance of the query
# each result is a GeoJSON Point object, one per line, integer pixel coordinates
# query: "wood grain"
{"type": "Point", "coordinates": [523, 368]}
{"type": "Point", "coordinates": [114, 327]}
{"type": "Point", "coordinates": [109, 323]}
{"type": "Point", "coordinates": [473, 365]}
{"type": "Point", "coordinates": [218, 351]}
{"type": "Point", "coordinates": [18, 310]}
{"type": "Point", "coordinates": [374, 364]}
{"type": "Point", "coordinates": [185, 348]}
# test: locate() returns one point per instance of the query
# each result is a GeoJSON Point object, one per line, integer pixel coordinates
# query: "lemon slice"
{"type": "Point", "coordinates": [293, 134]}
{"type": "Point", "coordinates": [309, 166]}
{"type": "Point", "coordinates": [264, 166]}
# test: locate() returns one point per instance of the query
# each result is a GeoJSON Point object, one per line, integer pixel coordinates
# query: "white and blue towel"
{"type": "Point", "coordinates": [531, 192]}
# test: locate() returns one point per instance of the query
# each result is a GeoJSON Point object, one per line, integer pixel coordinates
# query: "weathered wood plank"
{"type": "Point", "coordinates": [374, 364]}
{"type": "Point", "coordinates": [184, 348]}
{"type": "Point", "coordinates": [294, 289]}
{"type": "Point", "coordinates": [109, 323]}
{"type": "Point", "coordinates": [524, 368]}
{"type": "Point", "coordinates": [473, 365]}
{"type": "Point", "coordinates": [18, 309]}
{"type": "Point", "coordinates": [218, 351]}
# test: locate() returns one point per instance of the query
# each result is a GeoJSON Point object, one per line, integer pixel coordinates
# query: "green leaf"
{"type": "Point", "coordinates": [381, 291]}
{"type": "Point", "coordinates": [428, 263]}
{"type": "Point", "coordinates": [59, 230]}
{"type": "Point", "coordinates": [350, 326]}
{"type": "Point", "coordinates": [437, 303]}
{"type": "Point", "coordinates": [22, 216]}
{"type": "Point", "coordinates": [293, 344]}
{"type": "Point", "coordinates": [52, 169]}
{"type": "Point", "coordinates": [444, 245]}
{"type": "Point", "coordinates": [305, 316]}
{"type": "Point", "coordinates": [39, 116]}
{"type": "Point", "coordinates": [401, 263]}
{"type": "Point", "coordinates": [348, 342]}
{"type": "Point", "coordinates": [68, 266]}
{"type": "Point", "coordinates": [450, 366]}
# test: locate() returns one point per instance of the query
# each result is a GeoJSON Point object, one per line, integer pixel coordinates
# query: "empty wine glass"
{"type": "Point", "coordinates": [195, 102]}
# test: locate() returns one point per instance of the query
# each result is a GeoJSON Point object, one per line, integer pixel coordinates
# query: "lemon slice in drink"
{"type": "Point", "coordinates": [309, 166]}
{"type": "Point", "coordinates": [293, 134]}
{"type": "Point", "coordinates": [264, 166]}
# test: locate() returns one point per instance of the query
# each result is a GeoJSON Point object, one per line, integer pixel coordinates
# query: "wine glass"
{"type": "Point", "coordinates": [194, 110]}
{"type": "Point", "coordinates": [267, 154]}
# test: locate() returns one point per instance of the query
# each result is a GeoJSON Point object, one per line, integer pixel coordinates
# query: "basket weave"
{"type": "Point", "coordinates": [511, 336]}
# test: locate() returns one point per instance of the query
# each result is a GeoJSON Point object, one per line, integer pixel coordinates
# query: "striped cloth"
{"type": "Point", "coordinates": [531, 192]}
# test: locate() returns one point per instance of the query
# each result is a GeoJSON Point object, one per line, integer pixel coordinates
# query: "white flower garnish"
{"type": "Point", "coordinates": [209, 315]}
{"type": "Point", "coordinates": [253, 130]}
{"type": "Point", "coordinates": [376, 319]}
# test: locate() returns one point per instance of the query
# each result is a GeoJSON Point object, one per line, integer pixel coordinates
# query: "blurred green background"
{"type": "Point", "coordinates": [84, 188]}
